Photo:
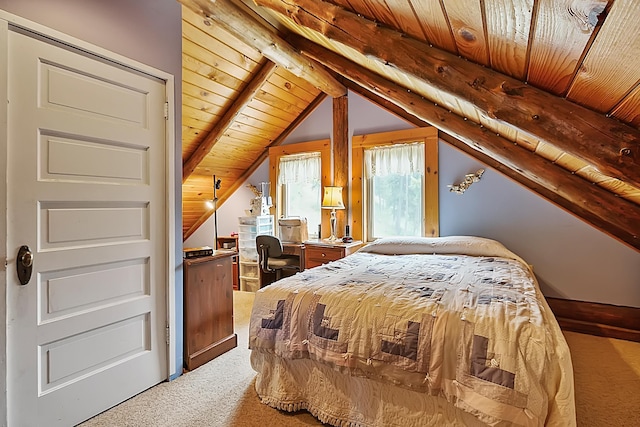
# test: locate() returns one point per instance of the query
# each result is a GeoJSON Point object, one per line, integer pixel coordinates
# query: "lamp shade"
{"type": "Point", "coordinates": [332, 198]}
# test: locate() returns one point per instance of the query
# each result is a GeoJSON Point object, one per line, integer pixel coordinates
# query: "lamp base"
{"type": "Point", "coordinates": [333, 221]}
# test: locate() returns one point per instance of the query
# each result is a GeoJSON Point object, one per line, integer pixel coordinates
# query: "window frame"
{"type": "Point", "coordinates": [323, 146]}
{"type": "Point", "coordinates": [426, 135]}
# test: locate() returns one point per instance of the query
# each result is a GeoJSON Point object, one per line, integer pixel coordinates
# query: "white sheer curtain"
{"type": "Point", "coordinates": [299, 168]}
{"type": "Point", "coordinates": [398, 159]}
{"type": "Point", "coordinates": [394, 187]}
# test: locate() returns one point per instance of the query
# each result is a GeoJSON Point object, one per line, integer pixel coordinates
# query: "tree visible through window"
{"type": "Point", "coordinates": [395, 191]}
{"type": "Point", "coordinates": [394, 184]}
{"type": "Point", "coordinates": [300, 186]}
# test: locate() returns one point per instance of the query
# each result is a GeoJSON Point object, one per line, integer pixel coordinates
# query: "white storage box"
{"type": "Point", "coordinates": [248, 254]}
{"type": "Point", "coordinates": [249, 285]}
{"type": "Point", "coordinates": [249, 270]}
{"type": "Point", "coordinates": [256, 220]}
{"type": "Point", "coordinates": [293, 230]}
{"type": "Point", "coordinates": [247, 237]}
{"type": "Point", "coordinates": [246, 228]}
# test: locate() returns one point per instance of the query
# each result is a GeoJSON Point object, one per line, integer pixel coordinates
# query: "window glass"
{"type": "Point", "coordinates": [394, 190]}
{"type": "Point", "coordinates": [299, 182]}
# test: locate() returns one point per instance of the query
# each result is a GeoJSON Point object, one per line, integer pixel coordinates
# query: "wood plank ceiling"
{"type": "Point", "coordinates": [545, 91]}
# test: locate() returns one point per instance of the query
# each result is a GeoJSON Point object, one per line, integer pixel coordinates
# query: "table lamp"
{"type": "Point", "coordinates": [332, 200]}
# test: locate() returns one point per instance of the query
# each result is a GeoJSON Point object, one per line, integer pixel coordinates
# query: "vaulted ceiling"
{"type": "Point", "coordinates": [545, 91]}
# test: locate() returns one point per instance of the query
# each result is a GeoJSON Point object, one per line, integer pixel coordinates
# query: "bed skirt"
{"type": "Point", "coordinates": [340, 400]}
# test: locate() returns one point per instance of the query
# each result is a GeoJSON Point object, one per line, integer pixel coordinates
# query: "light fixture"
{"type": "Point", "coordinates": [213, 204]}
{"type": "Point", "coordinates": [332, 200]}
{"type": "Point", "coordinates": [469, 179]}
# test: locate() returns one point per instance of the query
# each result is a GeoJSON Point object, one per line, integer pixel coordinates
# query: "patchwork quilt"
{"type": "Point", "coordinates": [460, 317]}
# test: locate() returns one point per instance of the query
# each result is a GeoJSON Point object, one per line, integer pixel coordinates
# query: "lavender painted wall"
{"type": "Point", "coordinates": [148, 31]}
{"type": "Point", "coordinates": [571, 259]}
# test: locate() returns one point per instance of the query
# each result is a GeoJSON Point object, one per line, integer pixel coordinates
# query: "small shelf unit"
{"type": "Point", "coordinates": [249, 228]}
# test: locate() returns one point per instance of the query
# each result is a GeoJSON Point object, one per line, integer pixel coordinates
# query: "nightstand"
{"type": "Point", "coordinates": [318, 252]}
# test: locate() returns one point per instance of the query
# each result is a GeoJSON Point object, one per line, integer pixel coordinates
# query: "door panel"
{"type": "Point", "coordinates": [70, 90]}
{"type": "Point", "coordinates": [86, 178]}
{"type": "Point", "coordinates": [100, 161]}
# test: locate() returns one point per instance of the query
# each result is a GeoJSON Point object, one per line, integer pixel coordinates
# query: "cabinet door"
{"type": "Point", "coordinates": [208, 313]}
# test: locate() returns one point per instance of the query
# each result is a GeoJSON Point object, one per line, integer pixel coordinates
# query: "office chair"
{"type": "Point", "coordinates": [271, 258]}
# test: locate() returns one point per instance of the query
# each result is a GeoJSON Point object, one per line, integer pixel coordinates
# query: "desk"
{"type": "Point", "coordinates": [296, 249]}
{"type": "Point", "coordinates": [228, 242]}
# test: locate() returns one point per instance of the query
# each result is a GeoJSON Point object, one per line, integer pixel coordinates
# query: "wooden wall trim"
{"type": "Point", "coordinates": [604, 320]}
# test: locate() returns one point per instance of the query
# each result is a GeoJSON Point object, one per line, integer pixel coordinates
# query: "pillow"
{"type": "Point", "coordinates": [463, 245]}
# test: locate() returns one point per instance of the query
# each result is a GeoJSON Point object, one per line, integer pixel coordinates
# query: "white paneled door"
{"type": "Point", "coordinates": [86, 195]}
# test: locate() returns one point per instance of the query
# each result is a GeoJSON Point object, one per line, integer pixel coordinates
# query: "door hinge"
{"type": "Point", "coordinates": [167, 334]}
{"type": "Point", "coordinates": [166, 110]}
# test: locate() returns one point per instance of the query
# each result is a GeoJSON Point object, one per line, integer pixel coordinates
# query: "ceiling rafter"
{"type": "Point", "coordinates": [243, 99]}
{"type": "Point", "coordinates": [243, 26]}
{"type": "Point", "coordinates": [549, 194]}
{"type": "Point", "coordinates": [609, 145]}
{"type": "Point", "coordinates": [604, 210]}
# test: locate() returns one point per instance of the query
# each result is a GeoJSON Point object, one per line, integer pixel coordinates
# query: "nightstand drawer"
{"type": "Point", "coordinates": [320, 255]}
{"type": "Point", "coordinates": [317, 253]}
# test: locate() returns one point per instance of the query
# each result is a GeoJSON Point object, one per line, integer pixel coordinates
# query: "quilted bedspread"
{"type": "Point", "coordinates": [461, 318]}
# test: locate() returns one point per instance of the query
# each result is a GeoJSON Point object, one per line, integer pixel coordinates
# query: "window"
{"type": "Point", "coordinates": [397, 190]}
{"type": "Point", "coordinates": [299, 187]}
{"type": "Point", "coordinates": [394, 183]}
{"type": "Point", "coordinates": [299, 172]}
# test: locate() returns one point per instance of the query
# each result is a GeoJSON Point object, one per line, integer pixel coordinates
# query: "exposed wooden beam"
{"type": "Point", "coordinates": [610, 146]}
{"type": "Point", "coordinates": [245, 97]}
{"type": "Point", "coordinates": [243, 26]}
{"type": "Point", "coordinates": [547, 193]}
{"type": "Point", "coordinates": [484, 158]}
{"type": "Point", "coordinates": [341, 157]}
{"type": "Point", "coordinates": [614, 215]}
{"type": "Point", "coordinates": [263, 156]}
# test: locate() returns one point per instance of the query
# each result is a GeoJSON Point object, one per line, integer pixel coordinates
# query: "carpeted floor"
{"type": "Point", "coordinates": [606, 379]}
{"type": "Point", "coordinates": [221, 393]}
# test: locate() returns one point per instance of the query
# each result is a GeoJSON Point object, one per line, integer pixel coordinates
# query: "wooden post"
{"type": "Point", "coordinates": [341, 158]}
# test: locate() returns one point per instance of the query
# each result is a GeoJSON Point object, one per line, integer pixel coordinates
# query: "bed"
{"type": "Point", "coordinates": [414, 332]}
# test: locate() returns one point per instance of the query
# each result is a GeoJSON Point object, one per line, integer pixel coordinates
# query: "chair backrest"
{"type": "Point", "coordinates": [272, 244]}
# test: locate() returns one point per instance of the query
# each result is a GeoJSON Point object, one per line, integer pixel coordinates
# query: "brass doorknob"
{"type": "Point", "coordinates": [27, 259]}
{"type": "Point", "coordinates": [24, 264]}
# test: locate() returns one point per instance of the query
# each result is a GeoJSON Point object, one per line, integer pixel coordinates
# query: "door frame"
{"type": "Point", "coordinates": [7, 22]}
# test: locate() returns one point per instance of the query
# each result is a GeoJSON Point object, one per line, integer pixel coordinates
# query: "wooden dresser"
{"type": "Point", "coordinates": [318, 252]}
{"type": "Point", "coordinates": [208, 308]}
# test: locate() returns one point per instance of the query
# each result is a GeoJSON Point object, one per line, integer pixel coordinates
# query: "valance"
{"type": "Point", "coordinates": [397, 159]}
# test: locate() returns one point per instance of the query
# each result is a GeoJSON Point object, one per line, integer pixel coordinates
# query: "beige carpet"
{"type": "Point", "coordinates": [607, 380]}
{"type": "Point", "coordinates": [221, 393]}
